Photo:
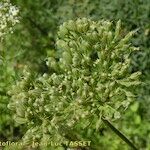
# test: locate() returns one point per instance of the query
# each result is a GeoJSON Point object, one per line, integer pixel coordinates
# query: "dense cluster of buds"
{"type": "Point", "coordinates": [88, 79]}
{"type": "Point", "coordinates": [8, 17]}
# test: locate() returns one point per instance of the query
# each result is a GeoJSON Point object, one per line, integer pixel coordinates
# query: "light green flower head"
{"type": "Point", "coordinates": [89, 79]}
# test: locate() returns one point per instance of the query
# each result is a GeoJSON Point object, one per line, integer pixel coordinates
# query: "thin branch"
{"type": "Point", "coordinates": [121, 135]}
{"type": "Point", "coordinates": [37, 26]}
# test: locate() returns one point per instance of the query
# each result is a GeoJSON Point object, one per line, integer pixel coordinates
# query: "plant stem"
{"type": "Point", "coordinates": [122, 136]}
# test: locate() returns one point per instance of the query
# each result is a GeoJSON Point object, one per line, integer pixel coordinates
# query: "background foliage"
{"type": "Point", "coordinates": [34, 40]}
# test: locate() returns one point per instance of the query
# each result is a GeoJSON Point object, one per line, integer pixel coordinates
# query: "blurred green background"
{"type": "Point", "coordinates": [34, 40]}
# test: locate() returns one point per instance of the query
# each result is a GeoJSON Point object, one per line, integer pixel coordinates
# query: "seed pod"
{"type": "Point", "coordinates": [11, 106]}
{"type": "Point", "coordinates": [51, 62]}
{"type": "Point", "coordinates": [117, 30]}
{"type": "Point", "coordinates": [20, 111]}
{"type": "Point", "coordinates": [125, 39]}
{"type": "Point", "coordinates": [94, 36]}
{"type": "Point", "coordinates": [135, 75]}
{"type": "Point", "coordinates": [20, 120]}
{"type": "Point", "coordinates": [109, 38]}
{"type": "Point", "coordinates": [117, 115]}
{"type": "Point", "coordinates": [85, 46]}
{"type": "Point", "coordinates": [62, 31]}
{"type": "Point", "coordinates": [61, 44]}
{"type": "Point", "coordinates": [67, 57]}
{"type": "Point", "coordinates": [71, 25]}
{"type": "Point", "coordinates": [76, 60]}
{"type": "Point", "coordinates": [97, 47]}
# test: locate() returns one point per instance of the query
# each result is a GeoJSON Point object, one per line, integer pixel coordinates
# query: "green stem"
{"type": "Point", "coordinates": [123, 137]}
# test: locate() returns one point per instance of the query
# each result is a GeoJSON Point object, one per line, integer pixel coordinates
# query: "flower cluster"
{"type": "Point", "coordinates": [88, 79]}
{"type": "Point", "coordinates": [8, 17]}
